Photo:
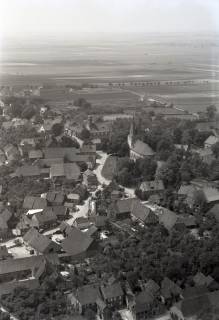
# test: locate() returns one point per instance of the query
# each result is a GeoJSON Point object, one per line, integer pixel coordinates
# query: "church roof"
{"type": "Point", "coordinates": [142, 148]}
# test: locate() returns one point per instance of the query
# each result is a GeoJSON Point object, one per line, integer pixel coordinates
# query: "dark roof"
{"type": "Point", "coordinates": [37, 240]}
{"type": "Point", "coordinates": [27, 171]}
{"type": "Point", "coordinates": [169, 288]}
{"type": "Point", "coordinates": [87, 294]}
{"type": "Point", "coordinates": [14, 265]}
{"type": "Point", "coordinates": [142, 212]}
{"type": "Point", "coordinates": [168, 219]}
{"type": "Point", "coordinates": [88, 148]}
{"type": "Point", "coordinates": [31, 202]}
{"type": "Point", "coordinates": [201, 280]}
{"type": "Point", "coordinates": [76, 242]}
{"type": "Point", "coordinates": [57, 197]}
{"type": "Point", "coordinates": [143, 301]}
{"type": "Point", "coordinates": [142, 148]}
{"type": "Point", "coordinates": [67, 170]}
{"type": "Point", "coordinates": [111, 291]}
{"type": "Point", "coordinates": [45, 216]}
{"type": "Point", "coordinates": [125, 205]}
{"type": "Point", "coordinates": [187, 220]}
{"type": "Point", "coordinates": [67, 153]}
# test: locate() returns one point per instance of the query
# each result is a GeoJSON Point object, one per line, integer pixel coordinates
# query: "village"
{"type": "Point", "coordinates": [108, 216]}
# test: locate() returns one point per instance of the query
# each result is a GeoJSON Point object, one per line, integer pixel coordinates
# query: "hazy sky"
{"type": "Point", "coordinates": [58, 17]}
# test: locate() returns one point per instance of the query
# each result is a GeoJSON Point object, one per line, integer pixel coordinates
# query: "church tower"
{"type": "Point", "coordinates": [131, 134]}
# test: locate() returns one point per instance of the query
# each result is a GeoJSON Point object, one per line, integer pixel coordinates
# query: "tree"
{"type": "Point", "coordinates": [211, 112]}
{"type": "Point", "coordinates": [57, 129]}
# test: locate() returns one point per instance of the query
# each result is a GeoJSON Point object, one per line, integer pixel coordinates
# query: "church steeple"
{"type": "Point", "coordinates": [131, 133]}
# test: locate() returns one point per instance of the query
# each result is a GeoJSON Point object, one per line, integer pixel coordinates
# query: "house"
{"type": "Point", "coordinates": [187, 193]}
{"type": "Point", "coordinates": [55, 198]}
{"type": "Point", "coordinates": [210, 141]}
{"type": "Point", "coordinates": [112, 294]}
{"type": "Point", "coordinates": [11, 152]}
{"type": "Point", "coordinates": [201, 280]}
{"type": "Point", "coordinates": [45, 219]}
{"type": "Point", "coordinates": [35, 154]}
{"type": "Point", "coordinates": [170, 291]}
{"type": "Point", "coordinates": [73, 198]}
{"type": "Point", "coordinates": [121, 209]}
{"type": "Point", "coordinates": [61, 212]}
{"type": "Point", "coordinates": [143, 305]}
{"type": "Point", "coordinates": [67, 171]}
{"type": "Point", "coordinates": [39, 242]}
{"type": "Point", "coordinates": [84, 297]}
{"type": "Point", "coordinates": [148, 188]}
{"type": "Point", "coordinates": [100, 221]}
{"type": "Point", "coordinates": [90, 179]}
{"type": "Point", "coordinates": [5, 216]}
{"type": "Point", "coordinates": [138, 149]}
{"type": "Point", "coordinates": [98, 129]}
{"type": "Point", "coordinates": [167, 218]}
{"type": "Point", "coordinates": [27, 171]}
{"type": "Point", "coordinates": [76, 244]}
{"type": "Point", "coordinates": [88, 149]}
{"type": "Point", "coordinates": [68, 154]}
{"type": "Point", "coordinates": [186, 220]}
{"type": "Point", "coordinates": [31, 202]}
{"type": "Point", "coordinates": [24, 272]}
{"type": "Point", "coordinates": [142, 213]}
{"type": "Point", "coordinates": [206, 305]}
{"type": "Point", "coordinates": [82, 223]}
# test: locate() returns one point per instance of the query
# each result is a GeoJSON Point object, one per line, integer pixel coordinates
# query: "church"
{"type": "Point", "coordinates": [137, 148]}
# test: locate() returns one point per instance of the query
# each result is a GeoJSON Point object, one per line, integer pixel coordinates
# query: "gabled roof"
{"type": "Point", "coordinates": [54, 196]}
{"type": "Point", "coordinates": [35, 154]}
{"type": "Point", "coordinates": [67, 153]}
{"type": "Point", "coordinates": [111, 291]}
{"type": "Point", "coordinates": [45, 216]}
{"type": "Point", "coordinates": [14, 265]}
{"type": "Point", "coordinates": [142, 149]}
{"type": "Point", "coordinates": [37, 240]}
{"type": "Point", "coordinates": [211, 194]}
{"type": "Point", "coordinates": [76, 242]}
{"type": "Point", "coordinates": [31, 202]}
{"type": "Point", "coordinates": [186, 190]}
{"type": "Point", "coordinates": [142, 212]}
{"type": "Point", "coordinates": [211, 140]}
{"type": "Point", "coordinates": [125, 205]}
{"type": "Point", "coordinates": [155, 185]}
{"type": "Point", "coordinates": [67, 170]}
{"type": "Point", "coordinates": [27, 171]}
{"type": "Point", "coordinates": [88, 148]}
{"type": "Point", "coordinates": [169, 288]}
{"type": "Point", "coordinates": [168, 219]}
{"type": "Point", "coordinates": [87, 294]}
{"type": "Point", "coordinates": [201, 280]}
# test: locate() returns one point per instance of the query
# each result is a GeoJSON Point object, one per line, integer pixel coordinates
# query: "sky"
{"type": "Point", "coordinates": [27, 18]}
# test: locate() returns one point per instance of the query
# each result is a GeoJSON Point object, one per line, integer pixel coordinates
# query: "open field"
{"type": "Point", "coordinates": [143, 58]}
